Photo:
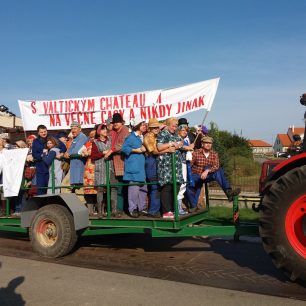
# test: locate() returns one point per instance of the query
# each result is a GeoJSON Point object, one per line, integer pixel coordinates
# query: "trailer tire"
{"type": "Point", "coordinates": [282, 223]}
{"type": "Point", "coordinates": [52, 231]}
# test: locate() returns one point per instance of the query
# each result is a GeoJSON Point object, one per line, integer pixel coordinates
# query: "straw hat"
{"type": "Point", "coordinates": [153, 122]}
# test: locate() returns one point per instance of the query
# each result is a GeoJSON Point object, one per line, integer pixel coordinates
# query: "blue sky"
{"type": "Point", "coordinates": [60, 49]}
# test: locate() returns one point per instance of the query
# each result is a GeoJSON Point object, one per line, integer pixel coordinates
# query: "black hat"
{"type": "Point", "coordinates": [183, 121]}
{"type": "Point", "coordinates": [117, 118]}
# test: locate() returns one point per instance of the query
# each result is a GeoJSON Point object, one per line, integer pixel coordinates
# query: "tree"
{"type": "Point", "coordinates": [229, 147]}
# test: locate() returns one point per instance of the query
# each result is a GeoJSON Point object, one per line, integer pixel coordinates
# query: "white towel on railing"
{"type": "Point", "coordinates": [13, 165]}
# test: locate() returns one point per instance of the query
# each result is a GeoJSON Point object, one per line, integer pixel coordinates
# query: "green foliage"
{"type": "Point", "coordinates": [244, 166]}
{"type": "Point", "coordinates": [226, 213]}
{"type": "Point", "coordinates": [219, 147]}
{"type": "Point", "coordinates": [234, 151]}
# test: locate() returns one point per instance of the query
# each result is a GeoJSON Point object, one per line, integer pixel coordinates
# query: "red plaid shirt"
{"type": "Point", "coordinates": [118, 138]}
{"type": "Point", "coordinates": [200, 161]}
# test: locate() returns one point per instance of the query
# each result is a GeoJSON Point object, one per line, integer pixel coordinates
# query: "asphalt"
{"type": "Point", "coordinates": [36, 283]}
{"type": "Point", "coordinates": [219, 263]}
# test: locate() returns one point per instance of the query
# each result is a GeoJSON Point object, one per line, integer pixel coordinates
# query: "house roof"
{"type": "Point", "coordinates": [297, 130]}
{"type": "Point", "coordinates": [258, 143]}
{"type": "Point", "coordinates": [284, 139]}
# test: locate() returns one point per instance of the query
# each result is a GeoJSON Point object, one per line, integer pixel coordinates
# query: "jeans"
{"type": "Point", "coordinates": [193, 193]}
{"type": "Point", "coordinates": [42, 181]}
{"type": "Point", "coordinates": [153, 190]}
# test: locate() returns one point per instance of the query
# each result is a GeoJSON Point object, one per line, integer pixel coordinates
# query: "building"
{"type": "Point", "coordinates": [9, 122]}
{"type": "Point", "coordinates": [281, 144]}
{"type": "Point", "coordinates": [286, 142]}
{"type": "Point", "coordinates": [10, 125]}
{"type": "Point", "coordinates": [260, 147]}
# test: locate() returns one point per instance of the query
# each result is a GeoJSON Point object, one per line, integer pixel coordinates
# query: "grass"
{"type": "Point", "coordinates": [226, 213]}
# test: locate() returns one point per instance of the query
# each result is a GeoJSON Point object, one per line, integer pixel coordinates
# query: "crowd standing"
{"type": "Point", "coordinates": [140, 166]}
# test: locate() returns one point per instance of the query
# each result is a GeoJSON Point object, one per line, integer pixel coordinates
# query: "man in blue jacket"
{"type": "Point", "coordinates": [39, 149]}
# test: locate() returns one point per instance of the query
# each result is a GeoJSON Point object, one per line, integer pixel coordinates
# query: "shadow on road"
{"type": "Point", "coordinates": [243, 254]}
{"type": "Point", "coordinates": [217, 262]}
{"type": "Point", "coordinates": [8, 296]}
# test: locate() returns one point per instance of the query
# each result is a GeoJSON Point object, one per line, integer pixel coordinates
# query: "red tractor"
{"type": "Point", "coordinates": [283, 215]}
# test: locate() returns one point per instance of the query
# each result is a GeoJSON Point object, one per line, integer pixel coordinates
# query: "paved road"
{"type": "Point", "coordinates": [29, 282]}
{"type": "Point", "coordinates": [220, 263]}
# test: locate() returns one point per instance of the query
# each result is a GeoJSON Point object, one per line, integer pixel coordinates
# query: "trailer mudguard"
{"type": "Point", "coordinates": [288, 164]}
{"type": "Point", "coordinates": [78, 210]}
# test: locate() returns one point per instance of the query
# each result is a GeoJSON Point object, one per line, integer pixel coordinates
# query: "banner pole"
{"type": "Point", "coordinates": [201, 125]}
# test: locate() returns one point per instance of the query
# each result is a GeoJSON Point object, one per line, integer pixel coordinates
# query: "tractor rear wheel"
{"type": "Point", "coordinates": [52, 231]}
{"type": "Point", "coordinates": [282, 223]}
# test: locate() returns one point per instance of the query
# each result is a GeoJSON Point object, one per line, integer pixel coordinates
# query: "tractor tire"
{"type": "Point", "coordinates": [52, 231]}
{"type": "Point", "coordinates": [282, 223]}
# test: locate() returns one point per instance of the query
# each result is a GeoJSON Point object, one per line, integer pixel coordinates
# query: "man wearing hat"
{"type": "Point", "coordinates": [119, 133]}
{"type": "Point", "coordinates": [206, 168]}
{"type": "Point", "coordinates": [77, 164]}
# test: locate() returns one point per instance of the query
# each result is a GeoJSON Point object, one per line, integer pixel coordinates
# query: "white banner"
{"type": "Point", "coordinates": [134, 107]}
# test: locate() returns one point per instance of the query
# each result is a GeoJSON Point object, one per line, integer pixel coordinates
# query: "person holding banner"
{"type": "Point", "coordinates": [118, 135]}
{"type": "Point", "coordinates": [165, 140]}
{"type": "Point", "coordinates": [186, 153]}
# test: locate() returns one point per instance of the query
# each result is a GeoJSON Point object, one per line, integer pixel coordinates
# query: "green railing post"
{"type": "Point", "coordinates": [206, 196]}
{"type": "Point", "coordinates": [52, 178]}
{"type": "Point", "coordinates": [175, 202]}
{"type": "Point", "coordinates": [108, 191]}
{"type": "Point", "coordinates": [236, 210]}
{"type": "Point", "coordinates": [7, 207]}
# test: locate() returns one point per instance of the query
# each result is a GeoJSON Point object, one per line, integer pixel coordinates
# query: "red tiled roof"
{"type": "Point", "coordinates": [297, 130]}
{"type": "Point", "coordinates": [258, 143]}
{"type": "Point", "coordinates": [284, 139]}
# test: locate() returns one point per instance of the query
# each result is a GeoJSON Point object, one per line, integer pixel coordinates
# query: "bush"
{"type": "Point", "coordinates": [234, 151]}
{"type": "Point", "coordinates": [244, 166]}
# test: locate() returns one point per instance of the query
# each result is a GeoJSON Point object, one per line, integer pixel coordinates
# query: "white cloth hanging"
{"type": "Point", "coordinates": [13, 166]}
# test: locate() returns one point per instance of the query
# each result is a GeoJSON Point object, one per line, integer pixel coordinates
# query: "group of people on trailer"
{"type": "Point", "coordinates": [140, 156]}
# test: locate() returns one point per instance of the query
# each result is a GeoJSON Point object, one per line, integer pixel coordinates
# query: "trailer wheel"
{"type": "Point", "coordinates": [52, 231]}
{"type": "Point", "coordinates": [282, 223]}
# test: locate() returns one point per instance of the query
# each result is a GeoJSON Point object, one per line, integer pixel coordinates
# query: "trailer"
{"type": "Point", "coordinates": [55, 221]}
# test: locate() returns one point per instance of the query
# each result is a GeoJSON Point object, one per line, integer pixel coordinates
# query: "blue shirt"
{"type": "Point", "coordinates": [77, 164]}
{"type": "Point", "coordinates": [134, 163]}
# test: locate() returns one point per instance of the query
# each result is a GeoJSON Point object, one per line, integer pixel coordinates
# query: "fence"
{"type": "Point", "coordinates": [245, 174]}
